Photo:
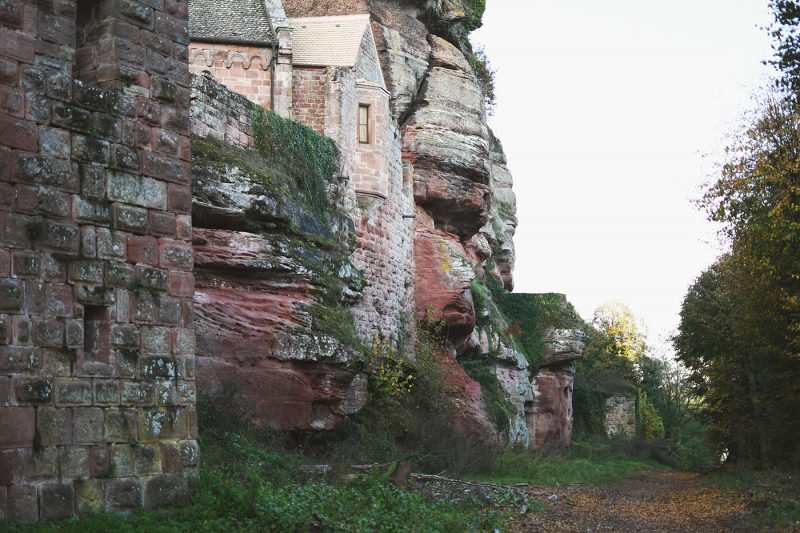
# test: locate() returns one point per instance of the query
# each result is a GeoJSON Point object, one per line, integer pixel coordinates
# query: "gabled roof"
{"type": "Point", "coordinates": [327, 41]}
{"type": "Point", "coordinates": [230, 21]}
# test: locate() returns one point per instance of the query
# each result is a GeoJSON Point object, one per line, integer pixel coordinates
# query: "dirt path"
{"type": "Point", "coordinates": [651, 501]}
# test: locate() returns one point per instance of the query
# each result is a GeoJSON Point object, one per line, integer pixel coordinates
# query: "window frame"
{"type": "Point", "coordinates": [365, 109]}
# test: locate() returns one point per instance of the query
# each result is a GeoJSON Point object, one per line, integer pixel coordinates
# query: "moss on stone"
{"type": "Point", "coordinates": [481, 369]}
{"type": "Point", "coordinates": [336, 321]}
{"type": "Point", "coordinates": [207, 152]}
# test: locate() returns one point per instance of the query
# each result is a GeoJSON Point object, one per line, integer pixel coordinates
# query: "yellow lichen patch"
{"type": "Point", "coordinates": [445, 264]}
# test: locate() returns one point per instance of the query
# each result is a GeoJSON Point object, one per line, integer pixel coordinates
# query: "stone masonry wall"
{"type": "Point", "coordinates": [97, 392]}
{"type": "Point", "coordinates": [308, 97]}
{"type": "Point", "coordinates": [220, 115]}
{"type": "Point", "coordinates": [242, 69]}
{"type": "Point", "coordinates": [621, 416]}
{"type": "Point", "coordinates": [385, 238]}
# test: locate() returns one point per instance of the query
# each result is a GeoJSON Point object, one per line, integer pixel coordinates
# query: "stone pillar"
{"type": "Point", "coordinates": [551, 422]}
{"type": "Point", "coordinates": [97, 393]}
{"type": "Point", "coordinates": [282, 104]}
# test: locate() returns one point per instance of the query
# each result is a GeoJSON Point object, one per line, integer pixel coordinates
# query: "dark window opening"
{"type": "Point", "coordinates": [87, 38]}
{"type": "Point", "coordinates": [96, 333]}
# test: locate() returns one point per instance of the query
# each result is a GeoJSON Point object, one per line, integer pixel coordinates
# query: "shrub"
{"type": "Point", "coordinates": [389, 376]}
{"type": "Point", "coordinates": [299, 151]}
{"type": "Point", "coordinates": [651, 423]}
{"type": "Point", "coordinates": [473, 10]}
{"type": "Point", "coordinates": [485, 75]}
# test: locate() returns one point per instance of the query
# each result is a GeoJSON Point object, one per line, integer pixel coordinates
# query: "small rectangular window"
{"type": "Point", "coordinates": [363, 123]}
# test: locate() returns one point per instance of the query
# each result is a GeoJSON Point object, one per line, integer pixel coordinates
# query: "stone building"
{"type": "Point", "coordinates": [328, 76]}
{"type": "Point", "coordinates": [339, 90]}
{"type": "Point", "coordinates": [97, 390]}
{"type": "Point", "coordinates": [244, 45]}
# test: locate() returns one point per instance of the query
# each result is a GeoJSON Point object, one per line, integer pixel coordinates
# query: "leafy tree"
{"type": "Point", "coordinates": [616, 345]}
{"type": "Point", "coordinates": [785, 31]}
{"type": "Point", "coordinates": [740, 320]}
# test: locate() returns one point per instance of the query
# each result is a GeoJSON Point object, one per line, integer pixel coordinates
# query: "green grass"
{"type": "Point", "coordinates": [543, 469]}
{"type": "Point", "coordinates": [594, 462]}
{"type": "Point", "coordinates": [245, 487]}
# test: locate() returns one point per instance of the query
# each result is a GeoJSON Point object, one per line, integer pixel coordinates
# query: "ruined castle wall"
{"type": "Point", "coordinates": [243, 69]}
{"type": "Point", "coordinates": [97, 346]}
{"type": "Point", "coordinates": [220, 115]}
{"type": "Point", "coordinates": [308, 96]}
{"type": "Point", "coordinates": [620, 417]}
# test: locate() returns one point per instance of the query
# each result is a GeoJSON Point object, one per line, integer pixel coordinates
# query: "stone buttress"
{"type": "Point", "coordinates": [97, 391]}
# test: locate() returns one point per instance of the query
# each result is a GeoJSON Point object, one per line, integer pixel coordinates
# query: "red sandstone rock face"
{"type": "Point", "coordinates": [257, 273]}
{"type": "Point", "coordinates": [443, 277]}
{"type": "Point", "coordinates": [470, 414]}
{"type": "Point", "coordinates": [254, 334]}
{"type": "Point", "coordinates": [552, 413]}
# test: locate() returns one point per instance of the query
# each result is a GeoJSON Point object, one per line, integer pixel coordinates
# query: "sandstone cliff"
{"type": "Point", "coordinates": [265, 266]}
{"type": "Point", "coordinates": [273, 280]}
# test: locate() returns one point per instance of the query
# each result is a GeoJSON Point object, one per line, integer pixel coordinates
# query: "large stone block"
{"type": "Point", "coordinates": [11, 295]}
{"type": "Point", "coordinates": [73, 392]}
{"type": "Point", "coordinates": [87, 425]}
{"type": "Point", "coordinates": [89, 271]}
{"type": "Point", "coordinates": [90, 210]}
{"type": "Point", "coordinates": [100, 464]}
{"type": "Point", "coordinates": [13, 465]}
{"type": "Point", "coordinates": [128, 218]}
{"type": "Point", "coordinates": [17, 426]}
{"type": "Point", "coordinates": [157, 340]}
{"type": "Point", "coordinates": [143, 249]}
{"type": "Point", "coordinates": [123, 458]}
{"type": "Point", "coordinates": [137, 393]}
{"type": "Point", "coordinates": [59, 300]}
{"type": "Point", "coordinates": [89, 496]}
{"type": "Point", "coordinates": [33, 390]}
{"type": "Point", "coordinates": [54, 426]}
{"type": "Point", "coordinates": [166, 490]}
{"type": "Point", "coordinates": [175, 254]}
{"type": "Point", "coordinates": [158, 366]}
{"type": "Point", "coordinates": [88, 149]}
{"type": "Point", "coordinates": [74, 462]}
{"type": "Point", "coordinates": [48, 332]}
{"type": "Point", "coordinates": [147, 459]}
{"type": "Point", "coordinates": [137, 190]}
{"type": "Point", "coordinates": [121, 425]}
{"type": "Point", "coordinates": [19, 359]}
{"type": "Point", "coordinates": [162, 423]}
{"type": "Point", "coordinates": [21, 336]}
{"type": "Point", "coordinates": [23, 507]}
{"type": "Point", "coordinates": [43, 465]}
{"type": "Point", "coordinates": [123, 494]}
{"type": "Point", "coordinates": [181, 284]}
{"type": "Point", "coordinates": [125, 335]}
{"type": "Point", "coordinates": [119, 275]}
{"type": "Point", "coordinates": [57, 501]}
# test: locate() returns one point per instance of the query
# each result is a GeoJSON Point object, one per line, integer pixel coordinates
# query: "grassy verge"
{"type": "Point", "coordinates": [774, 495]}
{"type": "Point", "coordinates": [246, 487]}
{"type": "Point", "coordinates": [586, 463]}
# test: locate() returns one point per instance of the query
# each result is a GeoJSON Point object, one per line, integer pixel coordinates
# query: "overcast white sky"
{"type": "Point", "coordinates": [606, 110]}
